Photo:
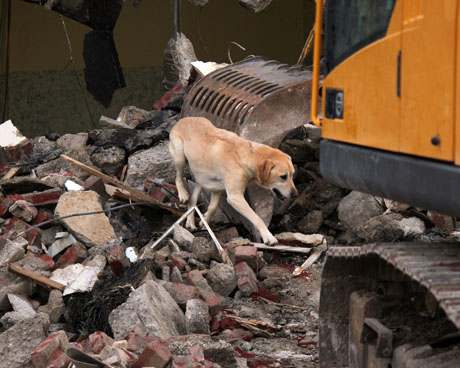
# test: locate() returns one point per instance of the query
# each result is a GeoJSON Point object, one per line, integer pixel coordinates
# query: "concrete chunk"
{"type": "Point", "coordinates": [12, 250]}
{"type": "Point", "coordinates": [222, 279]}
{"type": "Point", "coordinates": [91, 230]}
{"type": "Point", "coordinates": [357, 208]}
{"type": "Point", "coordinates": [197, 317]}
{"type": "Point", "coordinates": [151, 308]}
{"type": "Point", "coordinates": [18, 342]}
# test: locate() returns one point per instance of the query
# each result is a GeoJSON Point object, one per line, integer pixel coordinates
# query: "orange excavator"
{"type": "Point", "coordinates": [387, 105]}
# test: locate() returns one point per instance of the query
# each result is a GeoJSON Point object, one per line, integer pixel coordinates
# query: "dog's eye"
{"type": "Point", "coordinates": [284, 177]}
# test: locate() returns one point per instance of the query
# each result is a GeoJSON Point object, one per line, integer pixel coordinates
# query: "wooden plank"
{"type": "Point", "coordinates": [134, 194]}
{"type": "Point", "coordinates": [282, 248]}
{"type": "Point", "coordinates": [35, 276]}
{"type": "Point", "coordinates": [11, 173]}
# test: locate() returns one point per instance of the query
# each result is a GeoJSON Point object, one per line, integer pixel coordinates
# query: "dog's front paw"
{"type": "Point", "coordinates": [269, 239]}
{"type": "Point", "coordinates": [183, 196]}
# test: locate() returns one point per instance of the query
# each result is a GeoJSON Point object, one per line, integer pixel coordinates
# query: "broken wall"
{"type": "Point", "coordinates": [47, 93]}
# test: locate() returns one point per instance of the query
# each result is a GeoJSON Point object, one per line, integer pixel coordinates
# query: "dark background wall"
{"type": "Point", "coordinates": [47, 92]}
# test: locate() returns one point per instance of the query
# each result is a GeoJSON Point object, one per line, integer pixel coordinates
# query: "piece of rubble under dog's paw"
{"type": "Point", "coordinates": [301, 240]}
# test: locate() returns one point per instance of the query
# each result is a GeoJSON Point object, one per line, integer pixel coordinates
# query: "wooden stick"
{"type": "Point", "coordinates": [282, 248]}
{"type": "Point", "coordinates": [223, 254]}
{"type": "Point", "coordinates": [35, 276]}
{"type": "Point", "coordinates": [136, 195]}
{"type": "Point", "coordinates": [310, 260]}
{"type": "Point", "coordinates": [10, 173]}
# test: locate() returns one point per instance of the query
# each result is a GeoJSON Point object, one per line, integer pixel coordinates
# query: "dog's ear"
{"type": "Point", "coordinates": [263, 171]}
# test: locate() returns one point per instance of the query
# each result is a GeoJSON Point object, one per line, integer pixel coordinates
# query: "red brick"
{"type": "Point", "coordinates": [214, 301]}
{"type": "Point", "coordinates": [59, 360]}
{"type": "Point", "coordinates": [72, 255]}
{"type": "Point", "coordinates": [179, 262]}
{"type": "Point", "coordinates": [49, 349]}
{"type": "Point", "coordinates": [14, 226]}
{"type": "Point", "coordinates": [247, 254]}
{"type": "Point", "coordinates": [42, 216]}
{"type": "Point", "coordinates": [50, 196]}
{"type": "Point", "coordinates": [156, 354]}
{"type": "Point", "coordinates": [47, 260]}
{"type": "Point", "coordinates": [18, 152]}
{"type": "Point", "coordinates": [117, 259]}
{"type": "Point", "coordinates": [98, 341]}
{"type": "Point", "coordinates": [247, 279]}
{"type": "Point", "coordinates": [5, 204]}
{"type": "Point", "coordinates": [181, 292]}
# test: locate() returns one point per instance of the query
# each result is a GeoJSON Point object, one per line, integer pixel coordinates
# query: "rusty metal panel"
{"type": "Point", "coordinates": [256, 98]}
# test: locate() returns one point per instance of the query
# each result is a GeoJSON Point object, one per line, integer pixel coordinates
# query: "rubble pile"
{"type": "Point", "coordinates": [79, 281]}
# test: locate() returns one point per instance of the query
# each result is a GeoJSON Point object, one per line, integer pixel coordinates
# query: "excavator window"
{"type": "Point", "coordinates": [353, 24]}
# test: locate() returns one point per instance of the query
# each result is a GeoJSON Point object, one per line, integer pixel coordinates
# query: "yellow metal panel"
{"type": "Point", "coordinates": [428, 83]}
{"type": "Point", "coordinates": [457, 92]}
{"type": "Point", "coordinates": [369, 79]}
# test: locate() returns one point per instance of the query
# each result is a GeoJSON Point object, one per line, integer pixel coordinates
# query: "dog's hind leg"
{"type": "Point", "coordinates": [190, 224]}
{"type": "Point", "coordinates": [176, 148]}
{"type": "Point", "coordinates": [212, 208]}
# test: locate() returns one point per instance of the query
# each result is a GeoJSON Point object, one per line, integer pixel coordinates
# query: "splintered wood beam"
{"type": "Point", "coordinates": [134, 194]}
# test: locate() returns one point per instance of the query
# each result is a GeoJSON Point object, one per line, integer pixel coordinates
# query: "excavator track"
{"type": "Point", "coordinates": [415, 269]}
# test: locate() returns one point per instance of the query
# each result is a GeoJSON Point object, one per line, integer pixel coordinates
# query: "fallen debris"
{"type": "Point", "coordinates": [301, 240]}
{"type": "Point", "coordinates": [255, 5]}
{"type": "Point", "coordinates": [151, 309]}
{"type": "Point", "coordinates": [24, 336]}
{"type": "Point", "coordinates": [78, 278]}
{"type": "Point", "coordinates": [315, 255]}
{"type": "Point", "coordinates": [93, 230]}
{"type": "Point", "coordinates": [134, 194]}
{"type": "Point", "coordinates": [36, 277]}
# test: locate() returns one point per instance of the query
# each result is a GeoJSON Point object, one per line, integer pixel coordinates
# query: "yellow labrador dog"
{"type": "Point", "coordinates": [222, 161]}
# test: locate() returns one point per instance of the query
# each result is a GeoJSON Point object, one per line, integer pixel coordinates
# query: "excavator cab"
{"type": "Point", "coordinates": [385, 94]}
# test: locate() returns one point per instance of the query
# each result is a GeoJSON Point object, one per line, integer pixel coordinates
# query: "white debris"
{"type": "Point", "coordinates": [61, 234]}
{"type": "Point", "coordinates": [71, 186]}
{"type": "Point", "coordinates": [10, 136]}
{"type": "Point", "coordinates": [21, 305]}
{"type": "Point", "coordinates": [79, 278]}
{"type": "Point", "coordinates": [61, 244]}
{"type": "Point", "coordinates": [131, 254]}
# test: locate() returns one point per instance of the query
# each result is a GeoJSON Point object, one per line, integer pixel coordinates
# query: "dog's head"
{"type": "Point", "coordinates": [275, 171]}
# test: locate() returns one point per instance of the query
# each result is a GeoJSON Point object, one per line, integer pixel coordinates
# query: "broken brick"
{"type": "Point", "coordinates": [214, 301]}
{"type": "Point", "coordinates": [5, 204]}
{"type": "Point", "coordinates": [117, 259]}
{"type": "Point", "coordinates": [23, 210]}
{"type": "Point", "coordinates": [49, 350]}
{"type": "Point", "coordinates": [247, 279]}
{"type": "Point", "coordinates": [50, 196]}
{"type": "Point", "coordinates": [42, 216]}
{"type": "Point", "coordinates": [156, 354]}
{"type": "Point", "coordinates": [98, 341]}
{"type": "Point", "coordinates": [181, 293]}
{"type": "Point", "coordinates": [74, 254]}
{"type": "Point", "coordinates": [246, 254]}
